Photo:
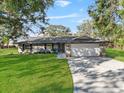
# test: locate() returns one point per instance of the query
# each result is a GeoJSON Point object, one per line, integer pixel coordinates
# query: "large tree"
{"type": "Point", "coordinates": [86, 28]}
{"type": "Point", "coordinates": [57, 30]}
{"type": "Point", "coordinates": [19, 15]}
{"type": "Point", "coordinates": [108, 17]}
{"type": "Point", "coordinates": [105, 17]}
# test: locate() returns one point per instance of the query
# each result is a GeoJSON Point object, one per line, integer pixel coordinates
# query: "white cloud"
{"type": "Point", "coordinates": [62, 3]}
{"type": "Point", "coordinates": [74, 15]}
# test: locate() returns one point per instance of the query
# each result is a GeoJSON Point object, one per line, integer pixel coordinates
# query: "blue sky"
{"type": "Point", "coordinates": [69, 13]}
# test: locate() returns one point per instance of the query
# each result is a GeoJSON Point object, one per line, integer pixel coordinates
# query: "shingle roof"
{"type": "Point", "coordinates": [42, 40]}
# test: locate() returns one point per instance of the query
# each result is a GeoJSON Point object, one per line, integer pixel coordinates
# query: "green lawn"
{"type": "Point", "coordinates": [8, 51]}
{"type": "Point", "coordinates": [115, 53]}
{"type": "Point", "coordinates": [41, 73]}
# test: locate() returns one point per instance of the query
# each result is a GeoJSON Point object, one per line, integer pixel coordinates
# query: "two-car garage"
{"type": "Point", "coordinates": [78, 50]}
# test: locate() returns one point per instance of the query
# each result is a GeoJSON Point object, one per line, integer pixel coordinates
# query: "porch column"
{"type": "Point", "coordinates": [52, 46]}
{"type": "Point", "coordinates": [30, 48]}
{"type": "Point", "coordinates": [45, 46]}
{"type": "Point", "coordinates": [63, 48]}
{"type": "Point", "coordinates": [59, 47]}
{"type": "Point", "coordinates": [23, 47]}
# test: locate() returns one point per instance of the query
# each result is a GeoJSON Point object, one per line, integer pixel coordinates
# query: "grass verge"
{"type": "Point", "coordinates": [115, 54]}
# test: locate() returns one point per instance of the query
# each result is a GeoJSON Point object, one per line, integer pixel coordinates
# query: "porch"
{"type": "Point", "coordinates": [42, 48]}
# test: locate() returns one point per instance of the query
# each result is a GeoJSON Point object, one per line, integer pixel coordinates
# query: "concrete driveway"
{"type": "Point", "coordinates": [97, 75]}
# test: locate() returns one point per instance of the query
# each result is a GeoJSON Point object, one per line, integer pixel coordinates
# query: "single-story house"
{"type": "Point", "coordinates": [63, 46]}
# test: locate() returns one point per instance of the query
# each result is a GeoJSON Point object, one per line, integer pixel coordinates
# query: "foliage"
{"type": "Point", "coordinates": [57, 30]}
{"type": "Point", "coordinates": [108, 18]}
{"type": "Point", "coordinates": [105, 17]}
{"type": "Point", "coordinates": [5, 40]}
{"type": "Point", "coordinates": [18, 15]}
{"type": "Point", "coordinates": [86, 29]}
{"type": "Point", "coordinates": [121, 8]}
{"type": "Point", "coordinates": [119, 37]}
{"type": "Point", "coordinates": [34, 74]}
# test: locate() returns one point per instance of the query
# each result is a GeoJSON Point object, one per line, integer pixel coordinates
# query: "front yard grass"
{"type": "Point", "coordinates": [40, 73]}
{"type": "Point", "coordinates": [115, 53]}
{"type": "Point", "coordinates": [9, 51]}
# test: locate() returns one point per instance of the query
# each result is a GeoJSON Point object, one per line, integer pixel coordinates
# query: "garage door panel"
{"type": "Point", "coordinates": [79, 51]}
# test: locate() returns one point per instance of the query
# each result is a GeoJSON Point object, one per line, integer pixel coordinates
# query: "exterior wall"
{"type": "Point", "coordinates": [38, 48]}
{"type": "Point", "coordinates": [74, 50]}
{"type": "Point", "coordinates": [78, 50]}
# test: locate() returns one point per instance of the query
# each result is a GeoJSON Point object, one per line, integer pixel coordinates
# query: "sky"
{"type": "Point", "coordinates": [69, 13]}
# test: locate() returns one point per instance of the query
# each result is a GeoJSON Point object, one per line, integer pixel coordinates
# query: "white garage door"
{"type": "Point", "coordinates": [78, 50]}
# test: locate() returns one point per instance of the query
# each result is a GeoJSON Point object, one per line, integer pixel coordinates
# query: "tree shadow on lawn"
{"type": "Point", "coordinates": [35, 69]}
{"type": "Point", "coordinates": [26, 64]}
{"type": "Point", "coordinates": [54, 88]}
{"type": "Point", "coordinates": [10, 60]}
{"type": "Point", "coordinates": [42, 68]}
{"type": "Point", "coordinates": [58, 81]}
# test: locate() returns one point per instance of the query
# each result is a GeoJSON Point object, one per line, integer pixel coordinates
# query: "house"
{"type": "Point", "coordinates": [63, 46]}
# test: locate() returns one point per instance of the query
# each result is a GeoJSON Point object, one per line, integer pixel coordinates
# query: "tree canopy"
{"type": "Point", "coordinates": [86, 28]}
{"type": "Point", "coordinates": [105, 16]}
{"type": "Point", "coordinates": [121, 9]}
{"type": "Point", "coordinates": [18, 15]}
{"type": "Point", "coordinates": [108, 19]}
{"type": "Point", "coordinates": [57, 30]}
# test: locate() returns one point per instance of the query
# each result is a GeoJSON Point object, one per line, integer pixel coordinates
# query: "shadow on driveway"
{"type": "Point", "coordinates": [97, 75]}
